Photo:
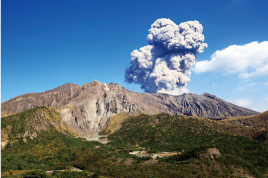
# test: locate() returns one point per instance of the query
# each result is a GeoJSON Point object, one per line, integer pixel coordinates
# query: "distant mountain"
{"type": "Point", "coordinates": [88, 108]}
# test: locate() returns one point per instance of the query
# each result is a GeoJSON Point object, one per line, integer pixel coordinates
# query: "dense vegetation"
{"type": "Point", "coordinates": [52, 150]}
{"type": "Point", "coordinates": [164, 133]}
{"type": "Point", "coordinates": [176, 133]}
{"type": "Point", "coordinates": [39, 120]}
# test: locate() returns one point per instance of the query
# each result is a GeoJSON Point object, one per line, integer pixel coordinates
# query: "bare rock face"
{"type": "Point", "coordinates": [205, 105]}
{"type": "Point", "coordinates": [88, 108]}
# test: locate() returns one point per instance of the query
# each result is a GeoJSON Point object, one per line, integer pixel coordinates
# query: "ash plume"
{"type": "Point", "coordinates": [163, 66]}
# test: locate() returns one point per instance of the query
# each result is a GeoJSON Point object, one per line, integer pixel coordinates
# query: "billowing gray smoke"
{"type": "Point", "coordinates": [163, 66]}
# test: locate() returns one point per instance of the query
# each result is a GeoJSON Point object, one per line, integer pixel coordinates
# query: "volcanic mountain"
{"type": "Point", "coordinates": [88, 109]}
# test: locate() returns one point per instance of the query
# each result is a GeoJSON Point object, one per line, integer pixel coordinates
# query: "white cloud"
{"type": "Point", "coordinates": [266, 83]}
{"type": "Point", "coordinates": [247, 60]}
{"type": "Point", "coordinates": [243, 102]}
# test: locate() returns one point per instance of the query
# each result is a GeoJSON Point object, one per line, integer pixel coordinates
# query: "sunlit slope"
{"type": "Point", "coordinates": [36, 122]}
{"type": "Point", "coordinates": [191, 137]}
{"type": "Point", "coordinates": [164, 132]}
{"type": "Point", "coordinates": [259, 120]}
{"type": "Point", "coordinates": [89, 108]}
{"type": "Point", "coordinates": [255, 127]}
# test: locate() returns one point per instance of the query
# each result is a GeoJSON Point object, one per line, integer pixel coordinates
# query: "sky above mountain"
{"type": "Point", "coordinates": [45, 44]}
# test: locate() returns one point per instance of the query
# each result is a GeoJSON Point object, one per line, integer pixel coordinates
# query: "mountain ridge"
{"type": "Point", "coordinates": [88, 108]}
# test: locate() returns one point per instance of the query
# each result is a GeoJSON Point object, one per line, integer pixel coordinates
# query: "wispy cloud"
{"type": "Point", "coordinates": [244, 87]}
{"type": "Point", "coordinates": [261, 105]}
{"type": "Point", "coordinates": [214, 85]}
{"type": "Point", "coordinates": [266, 83]}
{"type": "Point", "coordinates": [243, 102]}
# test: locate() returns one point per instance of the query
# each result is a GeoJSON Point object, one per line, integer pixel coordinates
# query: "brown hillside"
{"type": "Point", "coordinates": [259, 120]}
{"type": "Point", "coordinates": [247, 126]}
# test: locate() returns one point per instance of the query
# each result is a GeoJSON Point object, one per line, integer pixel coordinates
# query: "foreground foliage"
{"type": "Point", "coordinates": [52, 150]}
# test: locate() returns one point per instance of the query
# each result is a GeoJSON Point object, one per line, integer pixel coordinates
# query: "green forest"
{"type": "Point", "coordinates": [54, 149]}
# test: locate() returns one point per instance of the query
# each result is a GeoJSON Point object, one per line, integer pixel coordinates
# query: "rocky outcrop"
{"type": "Point", "coordinates": [88, 108]}
{"type": "Point", "coordinates": [210, 153]}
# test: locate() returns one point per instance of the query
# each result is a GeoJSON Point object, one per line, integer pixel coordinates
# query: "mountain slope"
{"type": "Point", "coordinates": [36, 122]}
{"type": "Point", "coordinates": [191, 137]}
{"type": "Point", "coordinates": [88, 108]}
{"type": "Point", "coordinates": [205, 105]}
{"type": "Point", "coordinates": [255, 127]}
{"type": "Point", "coordinates": [259, 120]}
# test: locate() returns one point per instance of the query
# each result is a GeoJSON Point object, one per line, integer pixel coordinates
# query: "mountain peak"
{"type": "Point", "coordinates": [209, 95]}
{"type": "Point", "coordinates": [88, 108]}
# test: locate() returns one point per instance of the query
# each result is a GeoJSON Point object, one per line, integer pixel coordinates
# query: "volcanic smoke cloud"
{"type": "Point", "coordinates": [163, 66]}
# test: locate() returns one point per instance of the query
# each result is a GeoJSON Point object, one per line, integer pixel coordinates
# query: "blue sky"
{"type": "Point", "coordinates": [47, 43]}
